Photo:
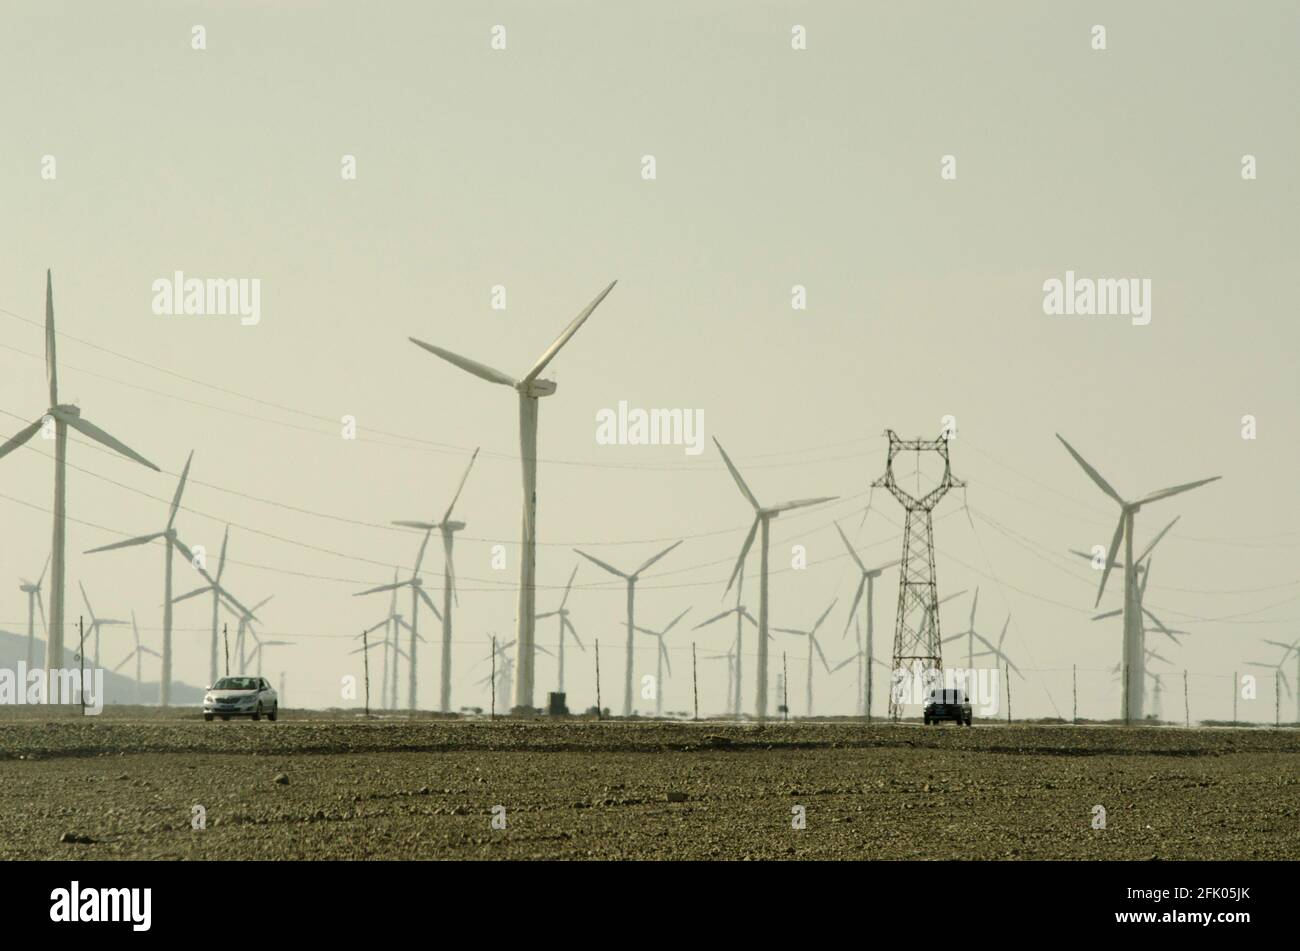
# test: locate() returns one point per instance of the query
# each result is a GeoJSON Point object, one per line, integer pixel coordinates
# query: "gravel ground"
{"type": "Point", "coordinates": [311, 786]}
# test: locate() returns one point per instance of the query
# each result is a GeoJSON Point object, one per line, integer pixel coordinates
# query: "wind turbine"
{"type": "Point", "coordinates": [811, 634]}
{"type": "Point", "coordinates": [138, 652]}
{"type": "Point", "coordinates": [418, 594]}
{"type": "Point", "coordinates": [448, 528]}
{"type": "Point", "coordinates": [246, 618]}
{"type": "Point", "coordinates": [34, 601]}
{"type": "Point", "coordinates": [96, 623]}
{"type": "Point", "coordinates": [662, 659]}
{"type": "Point", "coordinates": [865, 659]}
{"type": "Point", "coordinates": [392, 628]}
{"type": "Point", "coordinates": [530, 389]}
{"type": "Point", "coordinates": [62, 416]}
{"type": "Point", "coordinates": [762, 518]}
{"type": "Point", "coordinates": [1133, 640]}
{"type": "Point", "coordinates": [1288, 650]}
{"type": "Point", "coordinates": [631, 580]}
{"type": "Point", "coordinates": [742, 615]}
{"type": "Point", "coordinates": [258, 647]}
{"type": "Point", "coordinates": [218, 593]}
{"type": "Point", "coordinates": [170, 541]}
{"type": "Point", "coordinates": [566, 626]}
{"type": "Point", "coordinates": [867, 580]}
{"type": "Point", "coordinates": [996, 651]}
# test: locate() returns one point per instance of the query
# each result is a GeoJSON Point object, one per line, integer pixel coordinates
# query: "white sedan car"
{"type": "Point", "coordinates": [241, 697]}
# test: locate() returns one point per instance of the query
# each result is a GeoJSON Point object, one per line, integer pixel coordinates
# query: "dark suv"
{"type": "Point", "coordinates": [947, 705]}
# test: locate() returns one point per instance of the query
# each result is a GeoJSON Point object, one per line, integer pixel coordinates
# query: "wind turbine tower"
{"type": "Point", "coordinates": [916, 628]}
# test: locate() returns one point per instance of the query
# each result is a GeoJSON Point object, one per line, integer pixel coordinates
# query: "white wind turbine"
{"type": "Point", "coordinates": [530, 389]}
{"type": "Point", "coordinates": [259, 645]}
{"type": "Point", "coordinates": [996, 650]}
{"type": "Point", "coordinates": [170, 541]}
{"type": "Point", "coordinates": [246, 618]}
{"type": "Point", "coordinates": [448, 528]}
{"type": "Point", "coordinates": [970, 633]}
{"type": "Point", "coordinates": [865, 659]}
{"type": "Point", "coordinates": [866, 580]}
{"type": "Point", "coordinates": [97, 623]}
{"type": "Point", "coordinates": [418, 594]}
{"type": "Point", "coordinates": [662, 659]}
{"type": "Point", "coordinates": [138, 652]}
{"type": "Point", "coordinates": [218, 595]}
{"type": "Point", "coordinates": [1133, 640]}
{"type": "Point", "coordinates": [742, 615]}
{"type": "Point", "coordinates": [62, 416]}
{"type": "Point", "coordinates": [34, 601]}
{"type": "Point", "coordinates": [631, 580]}
{"type": "Point", "coordinates": [762, 518]}
{"type": "Point", "coordinates": [811, 634]}
{"type": "Point", "coordinates": [566, 627]}
{"type": "Point", "coordinates": [1287, 651]}
{"type": "Point", "coordinates": [730, 658]}
{"type": "Point", "coordinates": [392, 625]}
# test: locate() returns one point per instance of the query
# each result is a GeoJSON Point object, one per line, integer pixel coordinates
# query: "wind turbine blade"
{"type": "Point", "coordinates": [51, 364]}
{"type": "Point", "coordinates": [973, 605]}
{"type": "Point", "coordinates": [1165, 493]}
{"type": "Point", "coordinates": [86, 598]}
{"type": "Point", "coordinates": [744, 612]}
{"type": "Point", "coordinates": [546, 614]}
{"type": "Point", "coordinates": [543, 650]}
{"type": "Point", "coordinates": [853, 608]}
{"type": "Point", "coordinates": [1005, 624]}
{"type": "Point", "coordinates": [673, 622]}
{"type": "Point", "coordinates": [191, 594]}
{"type": "Point", "coordinates": [570, 628]}
{"type": "Point", "coordinates": [447, 516]}
{"type": "Point", "coordinates": [790, 630]}
{"type": "Point", "coordinates": [799, 504]}
{"type": "Point", "coordinates": [150, 650]}
{"type": "Point", "coordinates": [480, 370]}
{"type": "Point", "coordinates": [382, 587]}
{"type": "Point", "coordinates": [419, 557]}
{"type": "Point", "coordinates": [422, 526]}
{"type": "Point", "coordinates": [667, 660]}
{"type": "Point", "coordinates": [852, 554]}
{"type": "Point", "coordinates": [645, 630]}
{"type": "Point", "coordinates": [221, 561]}
{"type": "Point", "coordinates": [823, 617]}
{"type": "Point", "coordinates": [716, 617]}
{"type": "Point", "coordinates": [603, 564]}
{"type": "Point", "coordinates": [1092, 473]}
{"type": "Point", "coordinates": [844, 663]}
{"type": "Point", "coordinates": [820, 654]}
{"type": "Point", "coordinates": [138, 540]}
{"type": "Point", "coordinates": [565, 600]}
{"type": "Point", "coordinates": [744, 550]}
{"type": "Point", "coordinates": [563, 338]}
{"type": "Point", "coordinates": [955, 594]}
{"type": "Point", "coordinates": [736, 475]}
{"type": "Point", "coordinates": [41, 579]}
{"type": "Point", "coordinates": [87, 428]}
{"type": "Point", "coordinates": [1146, 551]}
{"type": "Point", "coordinates": [424, 596]}
{"type": "Point", "coordinates": [1110, 557]}
{"type": "Point", "coordinates": [651, 561]}
{"type": "Point", "coordinates": [24, 434]}
{"type": "Point", "coordinates": [124, 660]}
{"type": "Point", "coordinates": [1105, 614]}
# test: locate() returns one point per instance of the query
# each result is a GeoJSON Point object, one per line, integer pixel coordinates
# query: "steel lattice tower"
{"type": "Point", "coordinates": [916, 630]}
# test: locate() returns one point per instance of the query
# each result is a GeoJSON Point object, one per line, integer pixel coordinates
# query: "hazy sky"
{"type": "Point", "coordinates": [774, 167]}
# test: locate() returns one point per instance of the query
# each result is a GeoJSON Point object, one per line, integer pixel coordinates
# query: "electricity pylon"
{"type": "Point", "coordinates": [916, 629]}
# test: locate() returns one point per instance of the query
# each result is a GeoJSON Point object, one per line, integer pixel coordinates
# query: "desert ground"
{"type": "Point", "coordinates": [335, 786]}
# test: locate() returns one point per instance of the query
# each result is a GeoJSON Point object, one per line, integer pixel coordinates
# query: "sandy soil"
{"type": "Point", "coordinates": [312, 786]}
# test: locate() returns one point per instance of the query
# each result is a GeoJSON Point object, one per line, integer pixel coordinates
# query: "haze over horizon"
{"type": "Point", "coordinates": [523, 167]}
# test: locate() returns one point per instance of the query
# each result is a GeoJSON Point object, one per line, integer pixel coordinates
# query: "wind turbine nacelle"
{"type": "Point", "coordinates": [65, 411]}
{"type": "Point", "coordinates": [536, 388]}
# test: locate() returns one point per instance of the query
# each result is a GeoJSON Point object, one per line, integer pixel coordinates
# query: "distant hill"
{"type": "Point", "coordinates": [118, 687]}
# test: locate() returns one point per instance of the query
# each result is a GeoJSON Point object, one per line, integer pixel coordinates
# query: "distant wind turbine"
{"type": "Point", "coordinates": [631, 580]}
{"type": "Point", "coordinates": [138, 652]}
{"type": "Point", "coordinates": [34, 601]}
{"type": "Point", "coordinates": [170, 541]}
{"type": "Point", "coordinates": [566, 628]}
{"type": "Point", "coordinates": [811, 634]}
{"type": "Point", "coordinates": [866, 580]}
{"type": "Point", "coordinates": [742, 615]}
{"type": "Point", "coordinates": [218, 594]}
{"type": "Point", "coordinates": [246, 618]}
{"type": "Point", "coordinates": [531, 389]}
{"type": "Point", "coordinates": [418, 594]}
{"type": "Point", "coordinates": [448, 528]}
{"type": "Point", "coordinates": [97, 623]}
{"type": "Point", "coordinates": [259, 646]}
{"type": "Point", "coordinates": [1133, 640]}
{"type": "Point", "coordinates": [730, 658]}
{"type": "Point", "coordinates": [762, 518]}
{"type": "Point", "coordinates": [62, 416]}
{"type": "Point", "coordinates": [662, 659]}
{"type": "Point", "coordinates": [865, 658]}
